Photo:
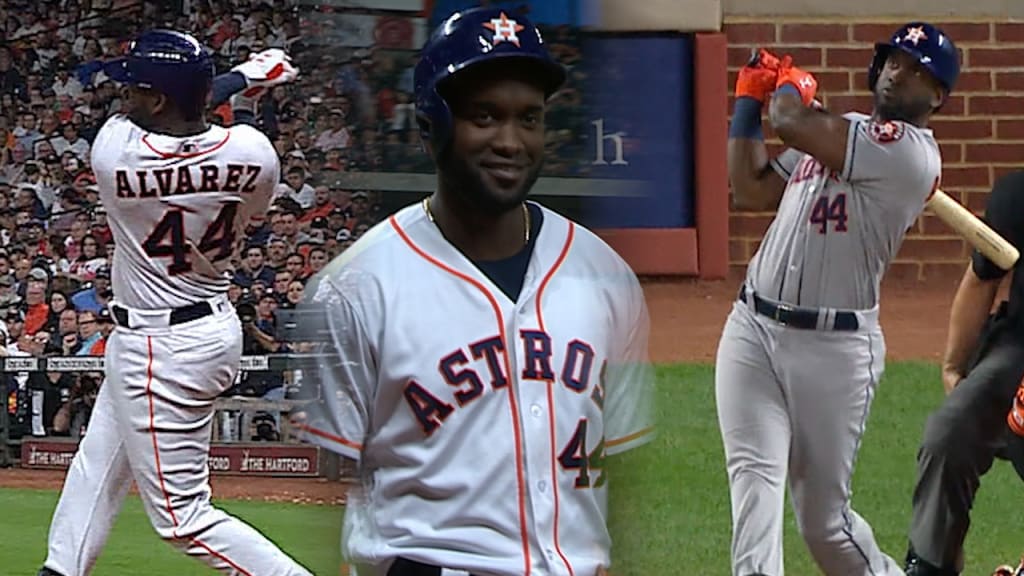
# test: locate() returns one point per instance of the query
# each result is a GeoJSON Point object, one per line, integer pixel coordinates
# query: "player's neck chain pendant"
{"type": "Point", "coordinates": [526, 219]}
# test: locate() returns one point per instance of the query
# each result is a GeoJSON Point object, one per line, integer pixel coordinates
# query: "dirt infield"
{"type": "Point", "coordinates": [291, 490]}
{"type": "Point", "coordinates": [687, 317]}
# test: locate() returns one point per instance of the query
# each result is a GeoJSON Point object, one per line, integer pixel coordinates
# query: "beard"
{"type": "Point", "coordinates": [467, 182]}
{"type": "Point", "coordinates": [902, 109]}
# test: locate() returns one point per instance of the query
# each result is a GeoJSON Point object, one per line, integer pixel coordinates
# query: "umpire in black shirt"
{"type": "Point", "coordinates": [981, 369]}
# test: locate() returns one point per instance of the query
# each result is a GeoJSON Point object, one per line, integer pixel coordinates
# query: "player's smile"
{"type": "Point", "coordinates": [504, 174]}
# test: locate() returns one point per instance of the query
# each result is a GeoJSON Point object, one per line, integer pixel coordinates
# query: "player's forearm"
{"type": "Point", "coordinates": [968, 314]}
{"type": "Point", "coordinates": [753, 184]}
{"type": "Point", "coordinates": [748, 171]}
{"type": "Point", "coordinates": [225, 86]}
{"type": "Point", "coordinates": [785, 113]}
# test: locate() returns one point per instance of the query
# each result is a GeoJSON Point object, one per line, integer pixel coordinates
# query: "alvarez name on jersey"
{"type": "Point", "coordinates": [177, 205]}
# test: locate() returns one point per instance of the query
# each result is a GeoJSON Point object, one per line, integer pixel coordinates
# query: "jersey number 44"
{"type": "Point", "coordinates": [168, 238]}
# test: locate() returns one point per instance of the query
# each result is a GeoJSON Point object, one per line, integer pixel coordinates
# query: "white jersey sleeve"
{"type": "Point", "coordinates": [785, 163]}
{"type": "Point", "coordinates": [883, 157]}
{"type": "Point", "coordinates": [346, 377]}
{"type": "Point", "coordinates": [629, 381]}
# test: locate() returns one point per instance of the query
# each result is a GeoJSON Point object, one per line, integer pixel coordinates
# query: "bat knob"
{"type": "Point", "coordinates": [755, 57]}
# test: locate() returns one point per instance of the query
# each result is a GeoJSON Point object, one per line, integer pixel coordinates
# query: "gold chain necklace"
{"type": "Point", "coordinates": [526, 218]}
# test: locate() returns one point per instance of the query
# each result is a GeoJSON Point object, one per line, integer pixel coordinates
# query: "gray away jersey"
{"type": "Point", "coordinates": [834, 235]}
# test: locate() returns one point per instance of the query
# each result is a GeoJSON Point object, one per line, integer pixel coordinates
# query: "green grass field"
{"type": "Point", "coordinates": [670, 500]}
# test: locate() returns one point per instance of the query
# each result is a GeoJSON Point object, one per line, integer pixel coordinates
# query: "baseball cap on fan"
{"type": "Point", "coordinates": [103, 316]}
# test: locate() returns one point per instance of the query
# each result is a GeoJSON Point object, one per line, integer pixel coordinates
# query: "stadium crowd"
{"type": "Point", "coordinates": [350, 111]}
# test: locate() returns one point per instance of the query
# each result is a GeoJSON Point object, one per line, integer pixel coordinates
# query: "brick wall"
{"type": "Point", "coordinates": [980, 130]}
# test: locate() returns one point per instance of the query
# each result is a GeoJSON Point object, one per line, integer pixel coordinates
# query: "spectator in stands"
{"type": "Point", "coordinates": [336, 135]}
{"type": "Point", "coordinates": [294, 294]}
{"type": "Point", "coordinates": [88, 332]}
{"type": "Point", "coordinates": [105, 325]}
{"type": "Point", "coordinates": [321, 207]}
{"type": "Point", "coordinates": [335, 159]}
{"type": "Point", "coordinates": [258, 338]}
{"type": "Point", "coordinates": [15, 322]}
{"type": "Point", "coordinates": [277, 251]}
{"type": "Point", "coordinates": [58, 301]}
{"type": "Point", "coordinates": [22, 266]}
{"type": "Point", "coordinates": [25, 136]}
{"type": "Point", "coordinates": [71, 140]}
{"type": "Point", "coordinates": [254, 266]}
{"type": "Point", "coordinates": [7, 287]}
{"type": "Point", "coordinates": [317, 259]}
{"type": "Point", "coordinates": [100, 228]}
{"type": "Point", "coordinates": [36, 308]}
{"type": "Point", "coordinates": [257, 290]}
{"type": "Point", "coordinates": [65, 336]}
{"type": "Point", "coordinates": [359, 211]}
{"type": "Point", "coordinates": [295, 265]}
{"type": "Point", "coordinates": [235, 291]}
{"type": "Point", "coordinates": [54, 387]}
{"type": "Point", "coordinates": [290, 231]}
{"type": "Point", "coordinates": [73, 416]}
{"type": "Point", "coordinates": [337, 219]}
{"type": "Point", "coordinates": [345, 239]}
{"type": "Point", "coordinates": [95, 297]}
{"type": "Point", "coordinates": [89, 261]}
{"type": "Point", "coordinates": [281, 282]}
{"type": "Point", "coordinates": [65, 83]}
{"type": "Point", "coordinates": [296, 187]}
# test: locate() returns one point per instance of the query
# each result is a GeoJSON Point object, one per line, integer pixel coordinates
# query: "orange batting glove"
{"type": "Point", "coordinates": [770, 61]}
{"type": "Point", "coordinates": [802, 80]}
{"type": "Point", "coordinates": [758, 78]}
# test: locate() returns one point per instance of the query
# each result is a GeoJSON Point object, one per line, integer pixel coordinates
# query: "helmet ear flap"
{"type": "Point", "coordinates": [435, 122]}
{"type": "Point", "coordinates": [877, 62]}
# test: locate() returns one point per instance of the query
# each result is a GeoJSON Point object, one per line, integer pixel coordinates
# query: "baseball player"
{"type": "Point", "coordinates": [178, 193]}
{"type": "Point", "coordinates": [981, 370]}
{"type": "Point", "coordinates": [488, 352]}
{"type": "Point", "coordinates": [802, 352]}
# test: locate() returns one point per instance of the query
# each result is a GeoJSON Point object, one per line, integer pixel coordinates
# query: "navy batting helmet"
{"type": "Point", "coordinates": [172, 63]}
{"type": "Point", "coordinates": [466, 39]}
{"type": "Point", "coordinates": [926, 43]}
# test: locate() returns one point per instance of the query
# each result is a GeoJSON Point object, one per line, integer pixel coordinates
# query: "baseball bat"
{"type": "Point", "coordinates": [971, 228]}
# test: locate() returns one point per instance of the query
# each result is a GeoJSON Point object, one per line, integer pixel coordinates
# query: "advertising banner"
{"type": "Point", "coordinates": [285, 460]}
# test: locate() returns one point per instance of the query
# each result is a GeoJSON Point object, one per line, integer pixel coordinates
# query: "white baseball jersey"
{"type": "Point", "coordinates": [481, 424]}
{"type": "Point", "coordinates": [169, 196]}
{"type": "Point", "coordinates": [835, 234]}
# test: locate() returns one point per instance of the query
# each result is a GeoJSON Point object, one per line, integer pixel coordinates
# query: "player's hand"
{"type": "Point", "coordinates": [802, 80]}
{"type": "Point", "coordinates": [950, 378]}
{"type": "Point", "coordinates": [769, 61]}
{"type": "Point", "coordinates": [266, 69]}
{"type": "Point", "coordinates": [757, 80]}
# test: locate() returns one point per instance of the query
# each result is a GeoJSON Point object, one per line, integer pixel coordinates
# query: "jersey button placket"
{"type": "Point", "coordinates": [536, 434]}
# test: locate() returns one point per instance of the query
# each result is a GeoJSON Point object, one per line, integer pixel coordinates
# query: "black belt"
{"type": "Point", "coordinates": [406, 567]}
{"type": "Point", "coordinates": [799, 317]}
{"type": "Point", "coordinates": [178, 315]}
